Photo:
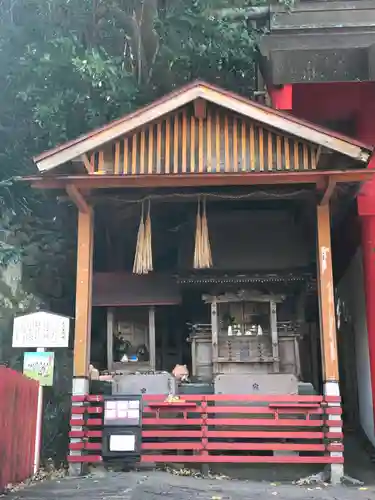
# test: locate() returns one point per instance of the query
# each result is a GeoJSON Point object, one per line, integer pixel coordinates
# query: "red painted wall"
{"type": "Point", "coordinates": [352, 101]}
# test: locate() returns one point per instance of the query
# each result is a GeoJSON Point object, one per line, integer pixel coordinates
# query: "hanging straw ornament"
{"type": "Point", "coordinates": [143, 253]}
{"type": "Point", "coordinates": [206, 247]}
{"type": "Point", "coordinates": [137, 266]}
{"type": "Point", "coordinates": [148, 242]}
{"type": "Point", "coordinates": [202, 251]}
{"type": "Point", "coordinates": [198, 238]}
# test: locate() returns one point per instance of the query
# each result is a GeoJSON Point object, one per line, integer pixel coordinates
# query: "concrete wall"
{"type": "Point", "coordinates": [351, 293]}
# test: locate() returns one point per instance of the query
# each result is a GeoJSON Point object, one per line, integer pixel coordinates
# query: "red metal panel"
{"type": "Point", "coordinates": [335, 447]}
{"type": "Point", "coordinates": [95, 409]}
{"type": "Point", "coordinates": [78, 399]}
{"type": "Point", "coordinates": [18, 409]}
{"type": "Point", "coordinates": [287, 459]}
{"type": "Point", "coordinates": [78, 410]}
{"type": "Point", "coordinates": [333, 410]}
{"type": "Point", "coordinates": [264, 422]}
{"type": "Point", "coordinates": [266, 446]}
{"type": "Point", "coordinates": [77, 446]}
{"type": "Point", "coordinates": [85, 458]}
{"type": "Point", "coordinates": [334, 435]}
{"type": "Point", "coordinates": [332, 399]}
{"type": "Point", "coordinates": [76, 434]}
{"type": "Point", "coordinates": [294, 405]}
{"type": "Point", "coordinates": [333, 423]}
{"type": "Point", "coordinates": [261, 410]}
{"type": "Point", "coordinates": [94, 434]}
{"type": "Point", "coordinates": [250, 398]}
{"type": "Point", "coordinates": [94, 421]}
{"type": "Point", "coordinates": [85, 445]}
{"type": "Point", "coordinates": [77, 422]}
{"type": "Point", "coordinates": [93, 446]}
{"type": "Point", "coordinates": [94, 398]}
{"type": "Point", "coordinates": [169, 434]}
{"type": "Point", "coordinates": [172, 446]}
{"type": "Point", "coordinates": [171, 421]}
{"type": "Point", "coordinates": [176, 404]}
{"type": "Point", "coordinates": [264, 435]}
{"type": "Point", "coordinates": [89, 434]}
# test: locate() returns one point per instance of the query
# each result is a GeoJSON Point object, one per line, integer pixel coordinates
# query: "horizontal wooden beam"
{"type": "Point", "coordinates": [193, 180]}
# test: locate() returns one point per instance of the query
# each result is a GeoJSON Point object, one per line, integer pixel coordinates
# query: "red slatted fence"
{"type": "Point", "coordinates": [18, 412]}
{"type": "Point", "coordinates": [222, 428]}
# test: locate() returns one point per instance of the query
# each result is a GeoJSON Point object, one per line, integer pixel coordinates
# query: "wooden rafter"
{"type": "Point", "coordinates": [78, 199]}
{"type": "Point", "coordinates": [328, 191]}
{"type": "Point", "coordinates": [87, 163]}
{"type": "Point", "coordinates": [240, 146]}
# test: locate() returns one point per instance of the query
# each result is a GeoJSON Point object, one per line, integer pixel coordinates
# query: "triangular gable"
{"type": "Point", "coordinates": [264, 115]}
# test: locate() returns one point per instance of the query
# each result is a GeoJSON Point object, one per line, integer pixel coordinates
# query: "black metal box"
{"type": "Point", "coordinates": [122, 427]}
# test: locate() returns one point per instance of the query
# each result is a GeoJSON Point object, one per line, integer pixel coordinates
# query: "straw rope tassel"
{"type": "Point", "coordinates": [202, 251]}
{"type": "Point", "coordinates": [137, 266]}
{"type": "Point", "coordinates": [206, 247]}
{"type": "Point", "coordinates": [198, 238]}
{"type": "Point", "coordinates": [148, 242]}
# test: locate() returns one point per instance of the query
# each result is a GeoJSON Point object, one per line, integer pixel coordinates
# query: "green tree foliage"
{"type": "Point", "coordinates": [70, 65]}
{"type": "Point", "coordinates": [67, 66]}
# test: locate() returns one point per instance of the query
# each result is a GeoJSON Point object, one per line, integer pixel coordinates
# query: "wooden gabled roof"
{"type": "Point", "coordinates": [269, 117]}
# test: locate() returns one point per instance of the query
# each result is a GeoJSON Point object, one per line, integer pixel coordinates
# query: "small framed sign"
{"type": "Point", "coordinates": [39, 366]}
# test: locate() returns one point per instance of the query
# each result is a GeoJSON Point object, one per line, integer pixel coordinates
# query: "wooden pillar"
{"type": "Point", "coordinates": [82, 338]}
{"type": "Point", "coordinates": [152, 337]}
{"type": "Point", "coordinates": [328, 336]}
{"type": "Point", "coordinates": [82, 334]}
{"type": "Point", "coordinates": [274, 336]}
{"type": "Point", "coordinates": [215, 338]}
{"type": "Point", "coordinates": [326, 297]}
{"type": "Point", "coordinates": [110, 327]}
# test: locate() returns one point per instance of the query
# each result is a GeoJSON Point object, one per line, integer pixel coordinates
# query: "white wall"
{"type": "Point", "coordinates": [351, 293]}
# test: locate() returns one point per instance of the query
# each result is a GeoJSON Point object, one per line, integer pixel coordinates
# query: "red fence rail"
{"type": "Point", "coordinates": [222, 428]}
{"type": "Point", "coordinates": [18, 412]}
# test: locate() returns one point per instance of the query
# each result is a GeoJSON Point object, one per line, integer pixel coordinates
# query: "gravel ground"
{"type": "Point", "coordinates": [154, 485]}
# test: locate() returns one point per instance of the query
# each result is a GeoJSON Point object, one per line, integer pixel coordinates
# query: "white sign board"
{"type": "Point", "coordinates": [41, 329]}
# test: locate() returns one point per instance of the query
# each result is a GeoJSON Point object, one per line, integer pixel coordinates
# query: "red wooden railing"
{"type": "Point", "coordinates": [18, 411]}
{"type": "Point", "coordinates": [222, 428]}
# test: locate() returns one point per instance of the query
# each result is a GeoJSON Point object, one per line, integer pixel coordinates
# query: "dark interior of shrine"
{"type": "Point", "coordinates": [261, 239]}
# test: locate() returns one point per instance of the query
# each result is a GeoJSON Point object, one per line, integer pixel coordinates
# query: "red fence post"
{"type": "Point", "coordinates": [204, 452]}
